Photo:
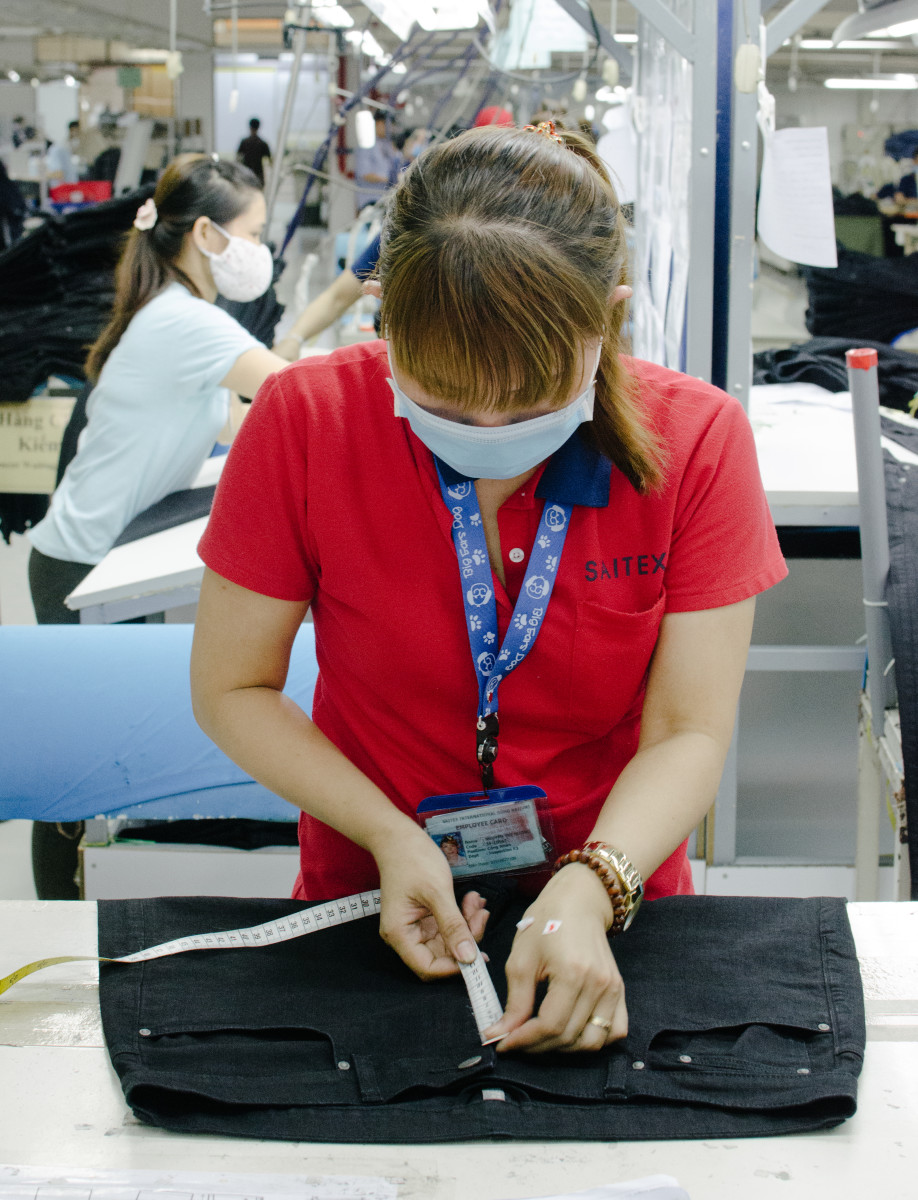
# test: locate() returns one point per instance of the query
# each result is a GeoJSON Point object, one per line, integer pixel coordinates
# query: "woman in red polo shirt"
{"type": "Point", "coordinates": [492, 507]}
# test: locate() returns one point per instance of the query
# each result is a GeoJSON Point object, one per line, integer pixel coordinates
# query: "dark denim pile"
{"type": "Point", "coordinates": [746, 1019]}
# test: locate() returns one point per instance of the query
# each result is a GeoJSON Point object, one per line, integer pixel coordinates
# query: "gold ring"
{"type": "Point", "coordinates": [598, 1021]}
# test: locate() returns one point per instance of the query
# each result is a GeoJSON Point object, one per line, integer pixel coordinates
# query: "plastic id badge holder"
{"type": "Point", "coordinates": [485, 833]}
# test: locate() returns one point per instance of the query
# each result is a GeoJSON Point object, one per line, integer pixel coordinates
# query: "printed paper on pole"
{"type": "Point", "coordinates": [795, 217]}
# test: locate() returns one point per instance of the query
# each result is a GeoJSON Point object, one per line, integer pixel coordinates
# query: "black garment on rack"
{"type": "Point", "coordinates": [863, 297]}
{"type": "Point", "coordinates": [821, 360]}
{"type": "Point", "coordinates": [746, 1019]}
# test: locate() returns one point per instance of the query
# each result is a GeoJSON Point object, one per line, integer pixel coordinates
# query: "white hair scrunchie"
{"type": "Point", "coordinates": [146, 216]}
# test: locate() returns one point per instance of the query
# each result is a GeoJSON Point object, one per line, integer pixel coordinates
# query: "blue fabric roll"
{"type": "Point", "coordinates": [97, 721]}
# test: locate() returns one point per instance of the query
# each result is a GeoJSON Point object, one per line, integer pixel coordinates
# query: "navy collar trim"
{"type": "Point", "coordinates": [577, 473]}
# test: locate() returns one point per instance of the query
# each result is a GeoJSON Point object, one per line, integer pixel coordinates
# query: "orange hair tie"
{"type": "Point", "coordinates": [546, 129]}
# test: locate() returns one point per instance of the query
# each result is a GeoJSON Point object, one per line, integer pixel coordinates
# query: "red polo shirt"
{"type": "Point", "coordinates": [328, 497]}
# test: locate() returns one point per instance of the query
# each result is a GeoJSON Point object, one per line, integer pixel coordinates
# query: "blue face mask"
{"type": "Point", "coordinates": [496, 453]}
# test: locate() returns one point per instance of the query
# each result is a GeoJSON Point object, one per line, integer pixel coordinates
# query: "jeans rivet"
{"type": "Point", "coordinates": [637, 1066]}
{"type": "Point", "coordinates": [823, 1026]}
{"type": "Point", "coordinates": [685, 1058]}
{"type": "Point", "coordinates": [344, 1065]}
{"type": "Point", "coordinates": [469, 1062]}
{"type": "Point", "coordinates": [144, 1032]}
{"type": "Point", "coordinates": [803, 1070]}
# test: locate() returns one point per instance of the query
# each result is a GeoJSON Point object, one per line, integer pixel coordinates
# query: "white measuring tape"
{"type": "Point", "coordinates": [486, 1008]}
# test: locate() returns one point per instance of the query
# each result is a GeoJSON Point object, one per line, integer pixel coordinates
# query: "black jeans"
{"type": "Point", "coordinates": [746, 1019]}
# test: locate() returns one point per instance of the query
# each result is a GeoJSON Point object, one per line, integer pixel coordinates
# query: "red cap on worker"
{"type": "Point", "coordinates": [493, 116]}
{"type": "Point", "coordinates": [862, 359]}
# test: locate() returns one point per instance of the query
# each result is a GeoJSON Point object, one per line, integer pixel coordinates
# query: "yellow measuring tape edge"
{"type": "Point", "coordinates": [30, 968]}
{"type": "Point", "coordinates": [486, 1007]}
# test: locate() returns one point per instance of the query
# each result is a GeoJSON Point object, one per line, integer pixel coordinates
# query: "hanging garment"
{"type": "Point", "coordinates": [746, 1019]}
{"type": "Point", "coordinates": [903, 144]}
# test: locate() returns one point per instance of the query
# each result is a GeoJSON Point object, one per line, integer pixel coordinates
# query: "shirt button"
{"type": "Point", "coordinates": [516, 554]}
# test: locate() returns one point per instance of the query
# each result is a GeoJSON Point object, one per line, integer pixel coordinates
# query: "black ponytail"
{"type": "Point", "coordinates": [192, 186]}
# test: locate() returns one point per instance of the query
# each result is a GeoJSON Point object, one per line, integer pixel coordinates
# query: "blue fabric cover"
{"type": "Point", "coordinates": [96, 721]}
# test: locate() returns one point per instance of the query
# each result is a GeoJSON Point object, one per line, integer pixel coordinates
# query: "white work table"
{"type": "Point", "coordinates": [804, 436]}
{"type": "Point", "coordinates": [152, 574]}
{"type": "Point", "coordinates": [62, 1104]}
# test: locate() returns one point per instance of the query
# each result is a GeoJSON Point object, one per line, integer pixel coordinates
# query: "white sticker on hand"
{"type": "Point", "coordinates": [552, 927]}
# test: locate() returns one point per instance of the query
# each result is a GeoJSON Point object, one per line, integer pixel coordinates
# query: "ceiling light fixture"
{"type": "Point", "coordinates": [871, 44]}
{"type": "Point", "coordinates": [368, 44]}
{"type": "Point", "coordinates": [402, 15]}
{"type": "Point", "coordinates": [876, 83]}
{"type": "Point", "coordinates": [904, 30]}
{"type": "Point", "coordinates": [332, 14]}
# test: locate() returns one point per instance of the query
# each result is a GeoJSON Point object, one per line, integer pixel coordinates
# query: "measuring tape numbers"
{"type": "Point", "coordinates": [486, 1007]}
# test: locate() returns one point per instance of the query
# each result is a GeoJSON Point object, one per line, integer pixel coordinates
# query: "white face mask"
{"type": "Point", "coordinates": [502, 452]}
{"type": "Point", "coordinates": [243, 270]}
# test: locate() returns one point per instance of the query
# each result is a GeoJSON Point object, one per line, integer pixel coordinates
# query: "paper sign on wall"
{"type": "Point", "coordinates": [30, 443]}
{"type": "Point", "coordinates": [795, 217]}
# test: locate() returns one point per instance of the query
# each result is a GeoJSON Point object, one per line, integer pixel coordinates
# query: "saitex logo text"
{"type": "Point", "coordinates": [625, 566]}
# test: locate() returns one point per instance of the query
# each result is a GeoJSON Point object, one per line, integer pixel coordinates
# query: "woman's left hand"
{"type": "Point", "coordinates": [584, 1007]}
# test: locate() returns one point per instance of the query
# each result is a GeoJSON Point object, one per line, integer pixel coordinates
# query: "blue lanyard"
{"type": "Point", "coordinates": [493, 665]}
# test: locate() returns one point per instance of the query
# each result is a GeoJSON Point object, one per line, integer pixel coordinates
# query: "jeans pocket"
{"type": "Point", "coordinates": [253, 1065]}
{"type": "Point", "coordinates": [750, 1049]}
{"type": "Point", "coordinates": [756, 1063]}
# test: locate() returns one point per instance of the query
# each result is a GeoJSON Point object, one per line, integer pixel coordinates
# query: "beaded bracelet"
{"type": "Point", "coordinates": [610, 882]}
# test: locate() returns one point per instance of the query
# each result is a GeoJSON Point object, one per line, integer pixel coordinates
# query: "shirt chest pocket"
{"type": "Point", "coordinates": [610, 659]}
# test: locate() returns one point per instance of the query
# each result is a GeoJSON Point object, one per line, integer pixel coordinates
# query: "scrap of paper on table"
{"type": "Point", "coordinates": [653, 1187]}
{"type": "Point", "coordinates": [37, 1183]}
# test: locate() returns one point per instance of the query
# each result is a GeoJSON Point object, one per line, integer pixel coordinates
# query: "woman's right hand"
{"type": "Point", "coordinates": [419, 917]}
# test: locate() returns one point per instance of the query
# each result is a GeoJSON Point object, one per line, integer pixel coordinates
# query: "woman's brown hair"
{"type": "Point", "coordinates": [192, 186]}
{"type": "Point", "coordinates": [500, 252]}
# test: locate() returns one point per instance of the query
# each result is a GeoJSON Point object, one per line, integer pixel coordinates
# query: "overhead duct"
{"type": "Point", "coordinates": [890, 17]}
